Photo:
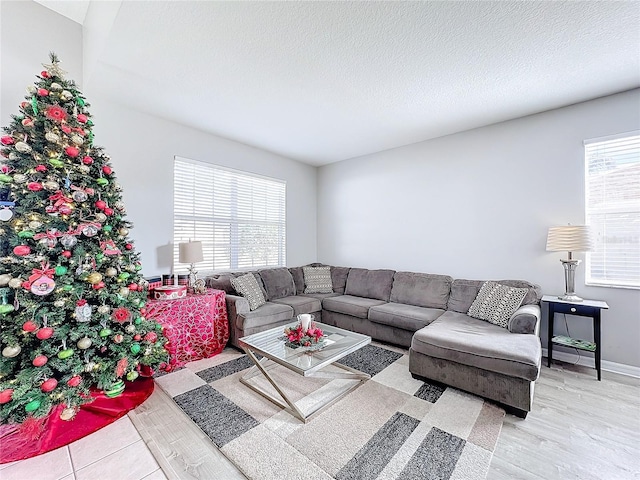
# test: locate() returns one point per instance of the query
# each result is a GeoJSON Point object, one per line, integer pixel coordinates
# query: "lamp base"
{"type": "Point", "coordinates": [570, 298]}
{"type": "Point", "coordinates": [569, 280]}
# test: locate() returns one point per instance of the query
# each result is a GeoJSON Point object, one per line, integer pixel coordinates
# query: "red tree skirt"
{"type": "Point", "coordinates": [31, 438]}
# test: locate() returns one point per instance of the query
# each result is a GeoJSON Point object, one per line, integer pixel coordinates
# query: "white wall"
{"type": "Point", "coordinates": [142, 147]}
{"type": "Point", "coordinates": [478, 204]}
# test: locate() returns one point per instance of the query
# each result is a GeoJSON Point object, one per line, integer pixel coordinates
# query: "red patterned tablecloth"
{"type": "Point", "coordinates": [196, 326]}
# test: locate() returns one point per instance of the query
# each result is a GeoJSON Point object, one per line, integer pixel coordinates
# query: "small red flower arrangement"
{"type": "Point", "coordinates": [56, 113]}
{"type": "Point", "coordinates": [296, 337]}
{"type": "Point", "coordinates": [121, 314]}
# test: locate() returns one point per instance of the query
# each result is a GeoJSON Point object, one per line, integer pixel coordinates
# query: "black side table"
{"type": "Point", "coordinates": [586, 308]}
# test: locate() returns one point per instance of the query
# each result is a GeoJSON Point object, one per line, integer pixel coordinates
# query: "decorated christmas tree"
{"type": "Point", "coordinates": [72, 301]}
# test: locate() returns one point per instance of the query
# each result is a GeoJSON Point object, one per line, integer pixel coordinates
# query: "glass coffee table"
{"type": "Point", "coordinates": [271, 346]}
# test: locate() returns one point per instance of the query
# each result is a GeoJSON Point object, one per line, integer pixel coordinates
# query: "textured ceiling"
{"type": "Point", "coordinates": [325, 81]}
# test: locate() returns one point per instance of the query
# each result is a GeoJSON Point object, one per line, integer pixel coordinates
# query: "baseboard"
{"type": "Point", "coordinates": [588, 361]}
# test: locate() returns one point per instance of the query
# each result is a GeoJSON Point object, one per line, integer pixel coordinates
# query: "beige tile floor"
{"type": "Point", "coordinates": [116, 452]}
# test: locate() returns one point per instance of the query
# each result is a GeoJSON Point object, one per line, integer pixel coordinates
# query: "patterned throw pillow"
{"type": "Point", "coordinates": [317, 280]}
{"type": "Point", "coordinates": [495, 303]}
{"type": "Point", "coordinates": [248, 287]}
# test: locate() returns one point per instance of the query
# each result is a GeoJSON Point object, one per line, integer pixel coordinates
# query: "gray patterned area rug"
{"type": "Point", "coordinates": [391, 427]}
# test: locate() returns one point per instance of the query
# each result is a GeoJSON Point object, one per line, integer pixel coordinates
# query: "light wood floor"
{"type": "Point", "coordinates": [579, 428]}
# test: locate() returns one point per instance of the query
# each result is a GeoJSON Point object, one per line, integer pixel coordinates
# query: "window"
{"type": "Point", "coordinates": [612, 170]}
{"type": "Point", "coordinates": [239, 217]}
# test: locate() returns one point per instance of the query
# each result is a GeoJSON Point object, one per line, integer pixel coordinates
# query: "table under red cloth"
{"type": "Point", "coordinates": [34, 437]}
{"type": "Point", "coordinates": [196, 326]}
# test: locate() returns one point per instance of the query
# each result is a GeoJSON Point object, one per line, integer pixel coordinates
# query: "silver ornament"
{"type": "Point", "coordinates": [103, 309]}
{"type": "Point", "coordinates": [4, 279]}
{"type": "Point", "coordinates": [79, 196]}
{"type": "Point", "coordinates": [77, 140]}
{"type": "Point", "coordinates": [11, 351]}
{"type": "Point", "coordinates": [119, 205]}
{"type": "Point", "coordinates": [58, 303]}
{"type": "Point", "coordinates": [19, 178]}
{"type": "Point", "coordinates": [130, 328]}
{"type": "Point", "coordinates": [51, 185]}
{"type": "Point", "coordinates": [48, 242]}
{"type": "Point", "coordinates": [23, 147]}
{"type": "Point", "coordinates": [31, 89]}
{"type": "Point", "coordinates": [34, 225]}
{"type": "Point", "coordinates": [124, 291]}
{"type": "Point", "coordinates": [117, 187]}
{"type": "Point", "coordinates": [83, 313]}
{"type": "Point", "coordinates": [84, 168]}
{"type": "Point", "coordinates": [68, 241]}
{"type": "Point", "coordinates": [131, 268]}
{"type": "Point", "coordinates": [111, 272]}
{"type": "Point", "coordinates": [84, 343]}
{"type": "Point", "coordinates": [66, 95]}
{"type": "Point", "coordinates": [15, 283]}
{"type": "Point", "coordinates": [56, 86]}
{"type": "Point", "coordinates": [89, 231]}
{"type": "Point", "coordinates": [52, 137]}
{"type": "Point", "coordinates": [5, 214]}
{"type": "Point", "coordinates": [13, 156]}
{"type": "Point", "coordinates": [101, 217]}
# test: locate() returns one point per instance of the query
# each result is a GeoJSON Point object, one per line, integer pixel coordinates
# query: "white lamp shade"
{"type": "Point", "coordinates": [570, 238]}
{"type": "Point", "coordinates": [190, 252]}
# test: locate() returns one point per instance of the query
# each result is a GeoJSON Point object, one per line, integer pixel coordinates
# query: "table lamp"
{"type": "Point", "coordinates": [570, 238]}
{"type": "Point", "coordinates": [190, 252]}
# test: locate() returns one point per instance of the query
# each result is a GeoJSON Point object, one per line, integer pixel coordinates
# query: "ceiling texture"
{"type": "Point", "coordinates": [321, 82]}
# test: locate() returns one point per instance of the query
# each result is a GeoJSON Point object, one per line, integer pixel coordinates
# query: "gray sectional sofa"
{"type": "Point", "coordinates": [423, 312]}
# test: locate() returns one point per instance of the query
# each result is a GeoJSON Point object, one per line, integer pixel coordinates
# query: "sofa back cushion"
{"type": "Point", "coordinates": [421, 289]}
{"type": "Point", "coordinates": [375, 284]}
{"type": "Point", "coordinates": [278, 282]}
{"type": "Point", "coordinates": [464, 292]}
{"type": "Point", "coordinates": [339, 279]}
{"type": "Point", "coordinates": [222, 281]}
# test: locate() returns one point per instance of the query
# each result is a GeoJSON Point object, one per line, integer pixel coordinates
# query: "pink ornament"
{"type": "Point", "coordinates": [44, 74]}
{"type": "Point", "coordinates": [133, 287]}
{"type": "Point", "coordinates": [82, 118]}
{"type": "Point", "coordinates": [66, 129]}
{"type": "Point", "coordinates": [66, 254]}
{"type": "Point", "coordinates": [41, 168]}
{"type": "Point", "coordinates": [48, 385]}
{"type": "Point", "coordinates": [71, 151]}
{"type": "Point", "coordinates": [101, 204]}
{"type": "Point", "coordinates": [64, 209]}
{"type": "Point", "coordinates": [43, 92]}
{"type": "Point", "coordinates": [21, 250]}
{"type": "Point", "coordinates": [34, 186]}
{"type": "Point", "coordinates": [87, 160]}
{"type": "Point", "coordinates": [29, 326]}
{"type": "Point", "coordinates": [43, 286]}
{"type": "Point", "coordinates": [107, 170]}
{"type": "Point", "coordinates": [27, 122]}
{"type": "Point", "coordinates": [74, 381]}
{"type": "Point", "coordinates": [40, 361]}
{"type": "Point", "coordinates": [129, 246]}
{"type": "Point", "coordinates": [44, 333]}
{"type": "Point", "coordinates": [7, 140]}
{"type": "Point", "coordinates": [108, 211]}
{"type": "Point", "coordinates": [6, 396]}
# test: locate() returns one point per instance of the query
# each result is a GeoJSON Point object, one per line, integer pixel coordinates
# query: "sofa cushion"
{"type": "Point", "coordinates": [278, 282]}
{"type": "Point", "coordinates": [350, 305]}
{"type": "Point", "coordinates": [496, 303]}
{"type": "Point", "coordinates": [264, 315]}
{"type": "Point", "coordinates": [459, 338]}
{"type": "Point", "coordinates": [301, 304]}
{"type": "Point", "coordinates": [321, 296]}
{"type": "Point", "coordinates": [464, 292]}
{"type": "Point", "coordinates": [247, 286]}
{"type": "Point", "coordinates": [339, 278]}
{"type": "Point", "coordinates": [421, 289]}
{"type": "Point", "coordinates": [317, 280]}
{"type": "Point", "coordinates": [374, 284]}
{"type": "Point", "coordinates": [222, 281]}
{"type": "Point", "coordinates": [407, 317]}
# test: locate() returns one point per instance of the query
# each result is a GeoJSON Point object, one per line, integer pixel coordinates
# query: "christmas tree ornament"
{"type": "Point", "coordinates": [58, 303]}
{"type": "Point", "coordinates": [66, 353]}
{"type": "Point", "coordinates": [11, 351]}
{"type": "Point", "coordinates": [68, 241]}
{"type": "Point", "coordinates": [41, 281]}
{"type": "Point", "coordinates": [89, 230]}
{"type": "Point", "coordinates": [121, 314]}
{"type": "Point", "coordinates": [77, 379]}
{"type": "Point", "coordinates": [82, 118]}
{"type": "Point", "coordinates": [124, 291]}
{"type": "Point", "coordinates": [66, 254]}
{"type": "Point", "coordinates": [34, 186]}
{"type": "Point", "coordinates": [21, 250]}
{"type": "Point", "coordinates": [84, 169]}
{"type": "Point", "coordinates": [48, 385]}
{"type": "Point", "coordinates": [98, 285]}
{"type": "Point", "coordinates": [77, 140]}
{"type": "Point", "coordinates": [54, 162]}
{"type": "Point", "coordinates": [65, 128]}
{"type": "Point", "coordinates": [94, 278]}
{"type": "Point", "coordinates": [55, 86]}
{"type": "Point", "coordinates": [90, 367]}
{"type": "Point", "coordinates": [35, 225]}
{"type": "Point", "coordinates": [6, 307]}
{"type": "Point", "coordinates": [23, 147]}
{"type": "Point", "coordinates": [130, 329]}
{"type": "Point", "coordinates": [44, 333]}
{"type": "Point", "coordinates": [6, 210]}
{"type": "Point", "coordinates": [83, 311]}
{"type": "Point", "coordinates": [67, 288]}
{"type": "Point", "coordinates": [138, 321]}
{"type": "Point", "coordinates": [79, 196]}
{"type": "Point", "coordinates": [103, 309]}
{"type": "Point", "coordinates": [5, 278]}
{"type": "Point", "coordinates": [43, 92]}
{"type": "Point", "coordinates": [87, 160]}
{"type": "Point", "coordinates": [101, 217]}
{"type": "Point", "coordinates": [66, 95]}
{"type": "Point", "coordinates": [26, 234]}
{"type": "Point", "coordinates": [107, 228]}
{"type": "Point", "coordinates": [135, 348]}
{"type": "Point", "coordinates": [111, 272]}
{"type": "Point", "coordinates": [7, 140]}
{"type": "Point", "coordinates": [52, 137]}
{"type": "Point", "coordinates": [133, 287]}
{"type": "Point", "coordinates": [118, 338]}
{"type": "Point", "coordinates": [132, 375]}
{"type": "Point", "coordinates": [119, 205]}
{"type": "Point", "coordinates": [123, 231]}
{"type": "Point", "coordinates": [124, 275]}
{"type": "Point", "coordinates": [40, 361]}
{"type": "Point", "coordinates": [71, 151]}
{"type": "Point", "coordinates": [102, 182]}
{"type": "Point", "coordinates": [51, 185]}
{"type": "Point", "coordinates": [109, 248]}
{"type": "Point", "coordinates": [108, 211]}
{"type": "Point", "coordinates": [61, 270]}
{"type": "Point", "coordinates": [137, 337]}
{"type": "Point", "coordinates": [115, 389]}
{"type": "Point", "coordinates": [6, 396]}
{"type": "Point", "coordinates": [101, 204]}
{"type": "Point", "coordinates": [32, 406]}
{"type": "Point", "coordinates": [105, 332]}
{"type": "Point", "coordinates": [27, 122]}
{"type": "Point", "coordinates": [31, 90]}
{"type": "Point", "coordinates": [29, 326]}
{"type": "Point", "coordinates": [80, 101]}
{"type": "Point", "coordinates": [20, 178]}
{"type": "Point", "coordinates": [15, 283]}
{"type": "Point", "coordinates": [68, 414]}
{"type": "Point", "coordinates": [84, 343]}
{"type": "Point", "coordinates": [107, 170]}
{"type": "Point", "coordinates": [151, 337]}
{"type": "Point", "coordinates": [4, 178]}
{"type": "Point", "coordinates": [40, 168]}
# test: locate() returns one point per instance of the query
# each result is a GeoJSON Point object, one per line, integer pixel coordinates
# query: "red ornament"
{"type": "Point", "coordinates": [29, 326]}
{"type": "Point", "coordinates": [74, 381]}
{"type": "Point", "coordinates": [26, 285]}
{"type": "Point", "coordinates": [41, 168]}
{"type": "Point", "coordinates": [66, 129]}
{"type": "Point", "coordinates": [44, 74]}
{"type": "Point", "coordinates": [82, 302]}
{"type": "Point", "coordinates": [143, 311]}
{"type": "Point", "coordinates": [87, 160]}
{"type": "Point", "coordinates": [107, 170]}
{"type": "Point", "coordinates": [128, 246]}
{"type": "Point", "coordinates": [66, 254]}
{"type": "Point", "coordinates": [40, 360]}
{"type": "Point", "coordinates": [44, 333]}
{"type": "Point", "coordinates": [133, 287]}
{"type": "Point", "coordinates": [101, 204]}
{"type": "Point", "coordinates": [108, 211]}
{"type": "Point", "coordinates": [43, 92]}
{"type": "Point", "coordinates": [27, 122]}
{"type": "Point", "coordinates": [22, 250]}
{"type": "Point", "coordinates": [151, 337]}
{"type": "Point", "coordinates": [7, 140]}
{"type": "Point", "coordinates": [56, 113]}
{"type": "Point", "coordinates": [49, 385]}
{"type": "Point", "coordinates": [34, 186]}
{"type": "Point", "coordinates": [137, 337]}
{"type": "Point", "coordinates": [82, 118]}
{"type": "Point", "coordinates": [98, 286]}
{"type": "Point", "coordinates": [71, 151]}
{"type": "Point", "coordinates": [6, 396]}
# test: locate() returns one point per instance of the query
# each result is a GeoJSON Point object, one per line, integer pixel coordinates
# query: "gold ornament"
{"type": "Point", "coordinates": [123, 231]}
{"type": "Point", "coordinates": [15, 282]}
{"type": "Point", "coordinates": [51, 185]}
{"type": "Point", "coordinates": [124, 291]}
{"type": "Point", "coordinates": [77, 140]}
{"type": "Point", "coordinates": [94, 278]}
{"type": "Point", "coordinates": [68, 413]}
{"type": "Point", "coordinates": [52, 137]}
{"type": "Point", "coordinates": [111, 272]}
{"type": "Point", "coordinates": [5, 278]}
{"type": "Point", "coordinates": [31, 89]}
{"type": "Point", "coordinates": [101, 217]}
{"type": "Point", "coordinates": [84, 168]}
{"type": "Point", "coordinates": [23, 147]}
{"type": "Point", "coordinates": [103, 309]}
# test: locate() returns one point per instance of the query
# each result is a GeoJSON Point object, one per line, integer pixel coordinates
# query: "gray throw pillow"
{"type": "Point", "coordinates": [247, 286]}
{"type": "Point", "coordinates": [317, 280]}
{"type": "Point", "coordinates": [495, 303]}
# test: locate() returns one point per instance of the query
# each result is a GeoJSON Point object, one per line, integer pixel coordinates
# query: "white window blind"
{"type": "Point", "coordinates": [612, 170]}
{"type": "Point", "coordinates": [239, 217]}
